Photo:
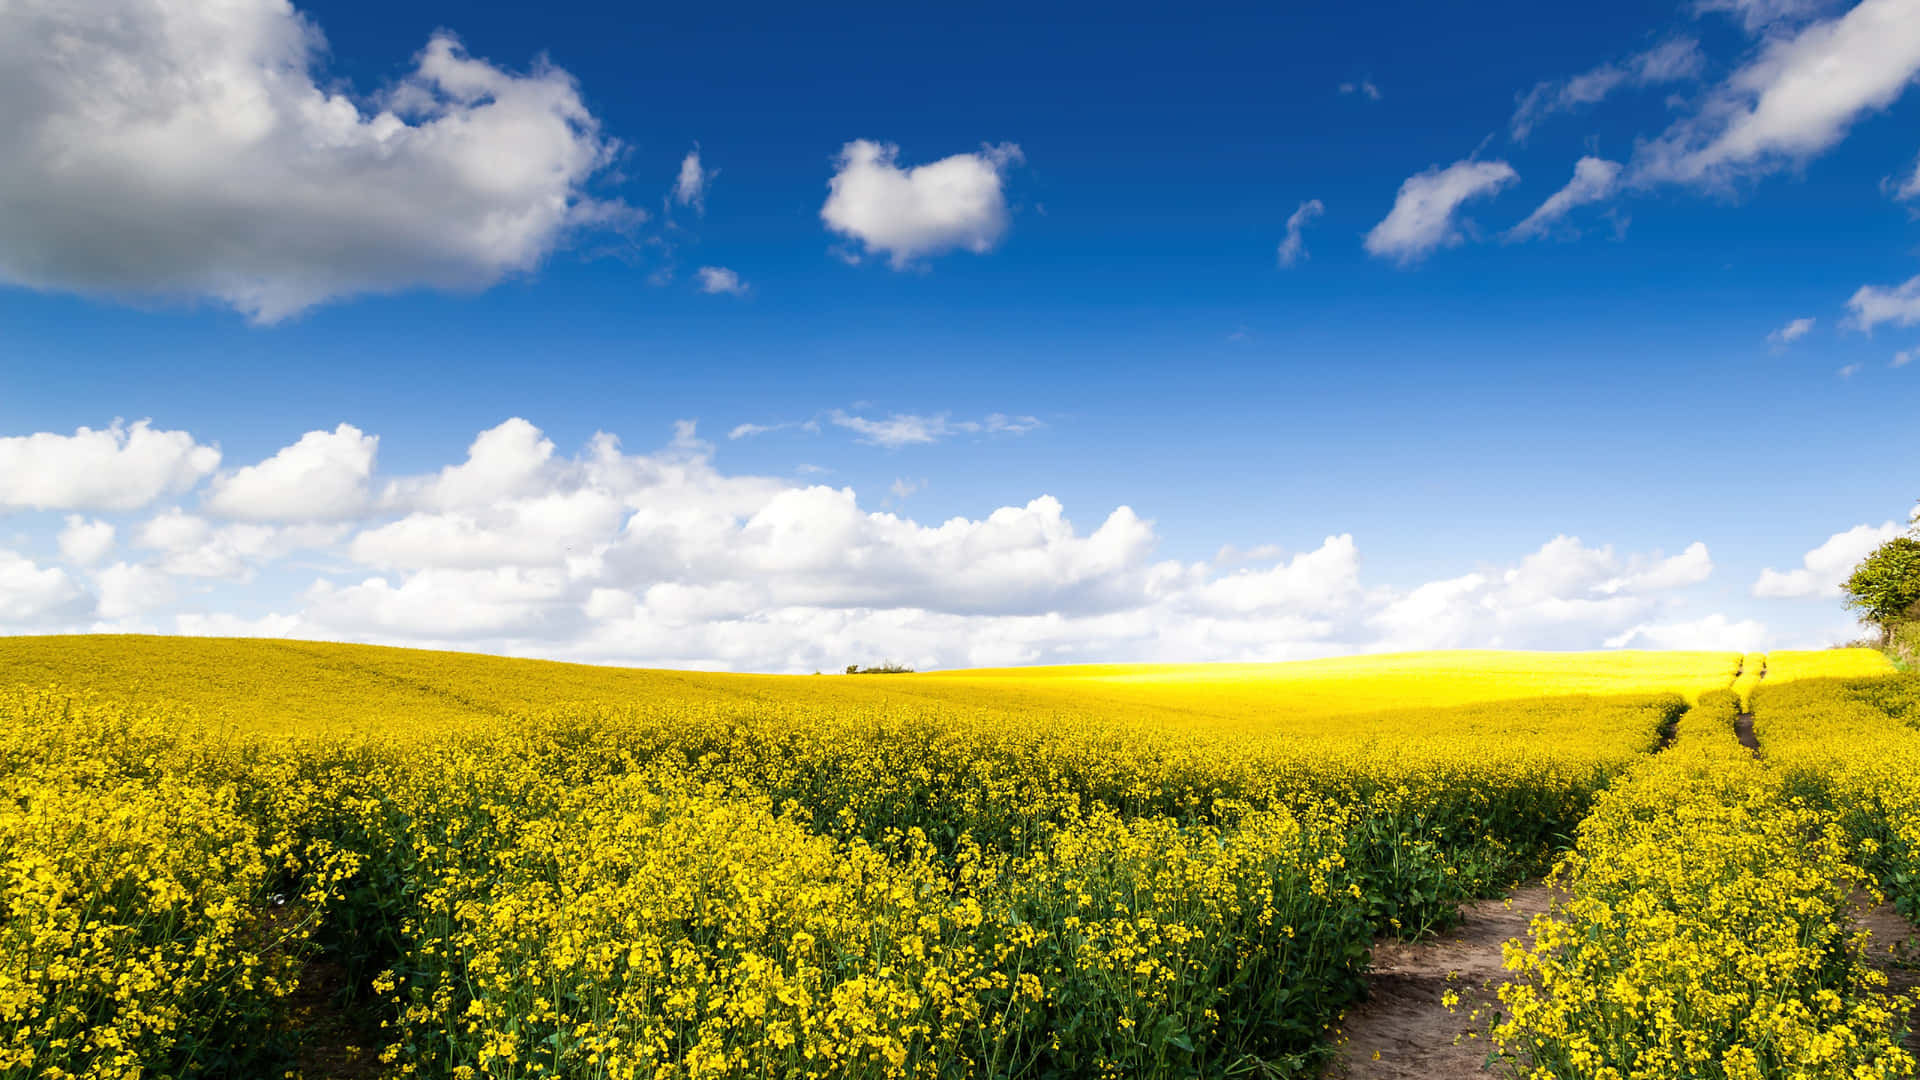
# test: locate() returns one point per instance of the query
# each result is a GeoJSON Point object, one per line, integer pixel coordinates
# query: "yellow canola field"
{"type": "Point", "coordinates": [530, 869]}
{"type": "Point", "coordinates": [301, 685]}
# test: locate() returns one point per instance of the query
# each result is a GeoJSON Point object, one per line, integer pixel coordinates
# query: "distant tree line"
{"type": "Point", "coordinates": [884, 667]}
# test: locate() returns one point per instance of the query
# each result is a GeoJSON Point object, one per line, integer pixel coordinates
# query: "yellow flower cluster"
{"type": "Point", "coordinates": [541, 870]}
{"type": "Point", "coordinates": [1844, 729]}
{"type": "Point", "coordinates": [1707, 933]}
{"type": "Point", "coordinates": [150, 918]}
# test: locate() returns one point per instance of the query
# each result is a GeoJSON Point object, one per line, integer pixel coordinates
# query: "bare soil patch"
{"type": "Point", "coordinates": [1403, 1031]}
{"type": "Point", "coordinates": [1895, 951]}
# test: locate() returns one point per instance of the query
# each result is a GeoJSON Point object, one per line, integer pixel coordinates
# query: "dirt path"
{"type": "Point", "coordinates": [1895, 951]}
{"type": "Point", "coordinates": [1402, 1031]}
{"type": "Point", "coordinates": [1743, 730]}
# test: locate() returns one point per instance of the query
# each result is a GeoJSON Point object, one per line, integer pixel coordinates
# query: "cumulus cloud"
{"type": "Point", "coordinates": [1824, 568]}
{"type": "Point", "coordinates": [1422, 217]}
{"type": "Point", "coordinates": [690, 186]}
{"type": "Point", "coordinates": [1790, 333]}
{"type": "Point", "coordinates": [120, 467]}
{"type": "Point", "coordinates": [125, 590]}
{"type": "Point", "coordinates": [322, 477]}
{"type": "Point", "coordinates": [84, 542]}
{"type": "Point", "coordinates": [1594, 179]}
{"type": "Point", "coordinates": [1294, 247]}
{"type": "Point", "coordinates": [1794, 100]}
{"type": "Point", "coordinates": [906, 213]}
{"type": "Point", "coordinates": [719, 279]}
{"type": "Point", "coordinates": [1873, 304]}
{"type": "Point", "coordinates": [662, 558]}
{"type": "Point", "coordinates": [1669, 61]}
{"type": "Point", "coordinates": [909, 429]}
{"type": "Point", "coordinates": [192, 546]}
{"type": "Point", "coordinates": [31, 595]}
{"type": "Point", "coordinates": [182, 150]}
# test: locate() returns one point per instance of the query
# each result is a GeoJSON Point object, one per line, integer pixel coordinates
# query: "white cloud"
{"type": "Point", "coordinates": [32, 595]}
{"type": "Point", "coordinates": [909, 429]}
{"type": "Point", "coordinates": [1910, 187]}
{"type": "Point", "coordinates": [1669, 61]}
{"type": "Point", "coordinates": [956, 202]}
{"type": "Point", "coordinates": [322, 477]}
{"type": "Point", "coordinates": [1594, 179]}
{"type": "Point", "coordinates": [1790, 333]}
{"type": "Point", "coordinates": [719, 279]}
{"type": "Point", "coordinates": [1904, 357]}
{"type": "Point", "coordinates": [1294, 247]}
{"type": "Point", "coordinates": [84, 542]}
{"type": "Point", "coordinates": [1713, 633]}
{"type": "Point", "coordinates": [903, 487]}
{"type": "Point", "coordinates": [1873, 304]}
{"type": "Point", "coordinates": [1850, 370]}
{"type": "Point", "coordinates": [1364, 88]}
{"type": "Point", "coordinates": [1796, 99]}
{"type": "Point", "coordinates": [186, 150]}
{"type": "Point", "coordinates": [120, 467]}
{"type": "Point", "coordinates": [1824, 568]}
{"type": "Point", "coordinates": [1422, 217]}
{"type": "Point", "coordinates": [191, 546]}
{"type": "Point", "coordinates": [663, 558]}
{"type": "Point", "coordinates": [126, 589]}
{"type": "Point", "coordinates": [690, 186]}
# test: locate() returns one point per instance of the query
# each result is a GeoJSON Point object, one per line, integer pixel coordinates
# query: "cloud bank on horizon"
{"type": "Point", "coordinates": [664, 558]}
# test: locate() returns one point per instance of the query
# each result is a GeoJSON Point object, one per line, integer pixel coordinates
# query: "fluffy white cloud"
{"type": "Point", "coordinates": [1791, 332]}
{"type": "Point", "coordinates": [1594, 179]}
{"type": "Point", "coordinates": [1294, 247]}
{"type": "Point", "coordinates": [126, 589]}
{"type": "Point", "coordinates": [31, 595]}
{"type": "Point", "coordinates": [150, 148]}
{"type": "Point", "coordinates": [192, 546]}
{"type": "Point", "coordinates": [322, 477]}
{"type": "Point", "coordinates": [1669, 61]}
{"type": "Point", "coordinates": [1794, 100]}
{"type": "Point", "coordinates": [1872, 304]}
{"type": "Point", "coordinates": [84, 542]}
{"type": "Point", "coordinates": [956, 202]}
{"type": "Point", "coordinates": [1422, 217]}
{"type": "Point", "coordinates": [719, 279]}
{"type": "Point", "coordinates": [1565, 595]}
{"type": "Point", "coordinates": [120, 467]}
{"type": "Point", "coordinates": [1824, 568]}
{"type": "Point", "coordinates": [662, 558]}
{"type": "Point", "coordinates": [690, 186]}
{"type": "Point", "coordinates": [1714, 632]}
{"type": "Point", "coordinates": [907, 429]}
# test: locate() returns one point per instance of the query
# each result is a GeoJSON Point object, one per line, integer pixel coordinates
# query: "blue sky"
{"type": "Point", "coordinates": [1552, 278]}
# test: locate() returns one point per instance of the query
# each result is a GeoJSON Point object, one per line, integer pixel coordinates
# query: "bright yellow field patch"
{"type": "Point", "coordinates": [285, 685]}
{"type": "Point", "coordinates": [1827, 664]}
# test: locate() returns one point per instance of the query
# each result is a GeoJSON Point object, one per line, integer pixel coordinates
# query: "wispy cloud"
{"type": "Point", "coordinates": [1790, 333]}
{"type": "Point", "coordinates": [1594, 179]}
{"type": "Point", "coordinates": [1422, 217]}
{"type": "Point", "coordinates": [1294, 247]}
{"type": "Point", "coordinates": [719, 279]}
{"type": "Point", "coordinates": [1363, 87]}
{"type": "Point", "coordinates": [1875, 304]}
{"type": "Point", "coordinates": [1669, 61]}
{"type": "Point", "coordinates": [911, 429]}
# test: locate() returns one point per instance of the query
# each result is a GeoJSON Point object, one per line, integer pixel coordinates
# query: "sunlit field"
{"type": "Point", "coordinates": [249, 858]}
